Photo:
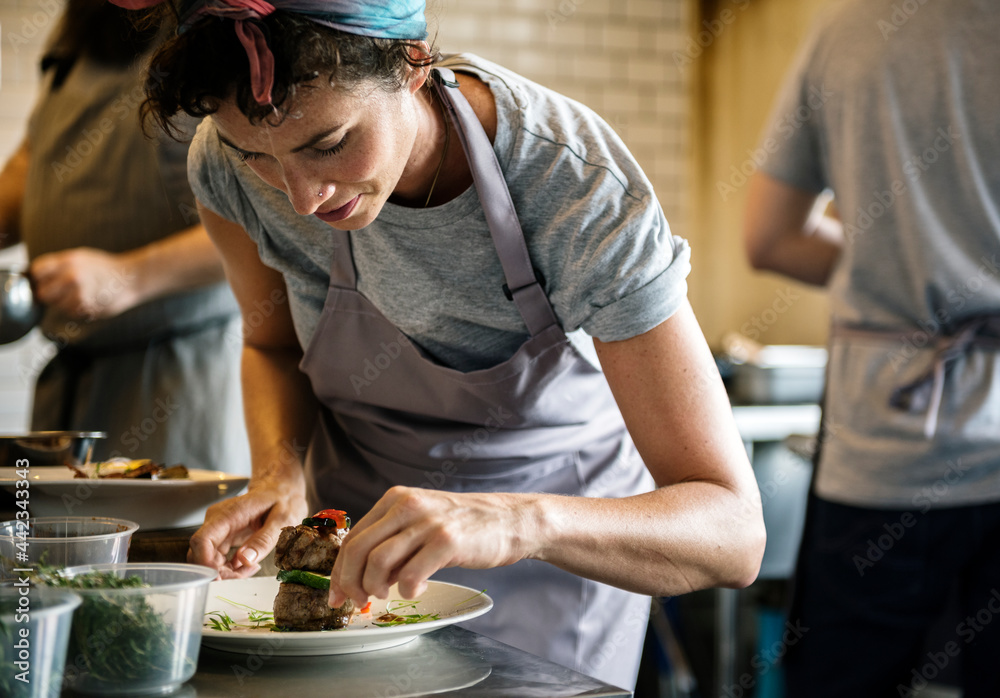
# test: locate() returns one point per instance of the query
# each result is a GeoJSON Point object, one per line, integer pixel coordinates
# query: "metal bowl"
{"type": "Point", "coordinates": [49, 447]}
{"type": "Point", "coordinates": [19, 311]}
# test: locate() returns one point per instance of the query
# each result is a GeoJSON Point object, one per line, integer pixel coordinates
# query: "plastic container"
{"type": "Point", "coordinates": [63, 541]}
{"type": "Point", "coordinates": [38, 621]}
{"type": "Point", "coordinates": [137, 641]}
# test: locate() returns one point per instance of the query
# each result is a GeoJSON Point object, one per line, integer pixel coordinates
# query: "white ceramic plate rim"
{"type": "Point", "coordinates": [44, 475]}
{"type": "Point", "coordinates": [455, 604]}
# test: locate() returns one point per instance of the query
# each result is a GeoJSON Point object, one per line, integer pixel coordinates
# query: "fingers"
{"type": "Point", "coordinates": [53, 285]}
{"type": "Point", "coordinates": [408, 545]}
{"type": "Point", "coordinates": [238, 521]}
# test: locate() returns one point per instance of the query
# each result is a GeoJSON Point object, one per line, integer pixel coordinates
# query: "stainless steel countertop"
{"type": "Point", "coordinates": [446, 662]}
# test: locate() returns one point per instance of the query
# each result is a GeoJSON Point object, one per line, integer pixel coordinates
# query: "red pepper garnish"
{"type": "Point", "coordinates": [367, 608]}
{"type": "Point", "coordinates": [328, 517]}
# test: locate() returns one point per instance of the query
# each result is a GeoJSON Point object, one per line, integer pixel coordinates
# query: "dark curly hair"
{"type": "Point", "coordinates": [196, 70]}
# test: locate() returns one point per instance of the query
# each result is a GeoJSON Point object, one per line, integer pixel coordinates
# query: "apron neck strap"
{"type": "Point", "coordinates": [505, 229]}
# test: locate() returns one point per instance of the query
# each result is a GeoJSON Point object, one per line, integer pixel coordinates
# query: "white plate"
{"type": "Point", "coordinates": [453, 603]}
{"type": "Point", "coordinates": [153, 504]}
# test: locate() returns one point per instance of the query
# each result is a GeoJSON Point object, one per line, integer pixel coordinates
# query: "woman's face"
{"type": "Point", "coordinates": [339, 154]}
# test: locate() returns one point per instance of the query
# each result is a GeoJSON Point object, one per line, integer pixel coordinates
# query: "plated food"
{"type": "Point", "coordinates": [241, 602]}
{"type": "Point", "coordinates": [305, 555]}
{"type": "Point", "coordinates": [153, 504]}
{"type": "Point", "coordinates": [132, 469]}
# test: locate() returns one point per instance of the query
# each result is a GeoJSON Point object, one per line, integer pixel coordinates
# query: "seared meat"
{"type": "Point", "coordinates": [305, 548]}
{"type": "Point", "coordinates": [298, 607]}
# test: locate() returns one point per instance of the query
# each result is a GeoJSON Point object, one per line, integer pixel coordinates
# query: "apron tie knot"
{"type": "Point", "coordinates": [924, 394]}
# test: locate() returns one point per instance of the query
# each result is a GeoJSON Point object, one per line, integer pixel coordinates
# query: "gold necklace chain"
{"type": "Point", "coordinates": [444, 153]}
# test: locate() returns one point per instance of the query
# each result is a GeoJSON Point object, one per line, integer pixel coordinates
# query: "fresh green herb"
{"type": "Point", "coordinates": [256, 617]}
{"type": "Point", "coordinates": [221, 621]}
{"type": "Point", "coordinates": [224, 622]}
{"type": "Point", "coordinates": [116, 639]}
{"type": "Point", "coordinates": [474, 596]}
{"type": "Point", "coordinates": [391, 618]}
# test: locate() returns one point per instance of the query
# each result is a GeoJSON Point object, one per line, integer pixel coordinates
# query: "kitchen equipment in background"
{"type": "Point", "coordinates": [46, 627]}
{"type": "Point", "coordinates": [155, 505]}
{"type": "Point", "coordinates": [776, 374]}
{"type": "Point", "coordinates": [19, 311]}
{"type": "Point", "coordinates": [62, 541]}
{"type": "Point", "coordinates": [48, 447]}
{"type": "Point", "coordinates": [137, 639]}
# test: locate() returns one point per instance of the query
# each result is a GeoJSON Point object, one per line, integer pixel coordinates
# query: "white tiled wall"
{"type": "Point", "coordinates": [613, 55]}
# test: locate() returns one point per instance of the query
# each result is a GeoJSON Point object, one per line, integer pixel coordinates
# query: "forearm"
{"type": "Point", "coordinates": [675, 540]}
{"type": "Point", "coordinates": [280, 411]}
{"type": "Point", "coordinates": [808, 257]}
{"type": "Point", "coordinates": [183, 261]}
{"type": "Point", "coordinates": [785, 231]}
{"type": "Point", "coordinates": [12, 187]}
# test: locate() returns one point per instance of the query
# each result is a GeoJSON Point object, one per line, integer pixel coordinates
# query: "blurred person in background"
{"type": "Point", "coordinates": [893, 107]}
{"type": "Point", "coordinates": [147, 331]}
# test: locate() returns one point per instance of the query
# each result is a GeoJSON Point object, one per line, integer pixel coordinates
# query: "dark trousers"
{"type": "Point", "coordinates": [870, 583]}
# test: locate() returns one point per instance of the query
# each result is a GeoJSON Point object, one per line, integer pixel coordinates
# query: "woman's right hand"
{"type": "Point", "coordinates": [252, 522]}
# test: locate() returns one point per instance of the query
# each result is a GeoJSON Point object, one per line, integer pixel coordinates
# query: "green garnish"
{"type": "Point", "coordinates": [474, 596]}
{"type": "Point", "coordinates": [309, 579]}
{"type": "Point", "coordinates": [224, 622]}
{"type": "Point", "coordinates": [392, 619]}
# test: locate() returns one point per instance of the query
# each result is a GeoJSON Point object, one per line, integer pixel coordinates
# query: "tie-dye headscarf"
{"type": "Point", "coordinates": [382, 19]}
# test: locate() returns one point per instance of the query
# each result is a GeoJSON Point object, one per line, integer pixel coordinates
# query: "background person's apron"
{"type": "Point", "coordinates": [147, 375]}
{"type": "Point", "coordinates": [542, 421]}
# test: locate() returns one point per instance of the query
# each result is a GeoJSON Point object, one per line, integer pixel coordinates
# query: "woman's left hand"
{"type": "Point", "coordinates": [411, 533]}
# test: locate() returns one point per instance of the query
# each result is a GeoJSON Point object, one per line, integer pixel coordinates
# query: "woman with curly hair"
{"type": "Point", "coordinates": [487, 345]}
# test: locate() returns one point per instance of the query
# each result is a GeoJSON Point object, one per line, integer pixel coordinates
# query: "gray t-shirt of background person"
{"type": "Point", "coordinates": [893, 106]}
{"type": "Point", "coordinates": [594, 228]}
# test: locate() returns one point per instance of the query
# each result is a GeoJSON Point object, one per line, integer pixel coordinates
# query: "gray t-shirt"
{"type": "Point", "coordinates": [594, 229]}
{"type": "Point", "coordinates": [895, 111]}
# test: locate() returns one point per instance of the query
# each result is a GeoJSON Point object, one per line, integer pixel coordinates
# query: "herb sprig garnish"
{"type": "Point", "coordinates": [225, 623]}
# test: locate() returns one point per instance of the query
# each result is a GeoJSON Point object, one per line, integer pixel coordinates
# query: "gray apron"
{"type": "Point", "coordinates": [542, 421]}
